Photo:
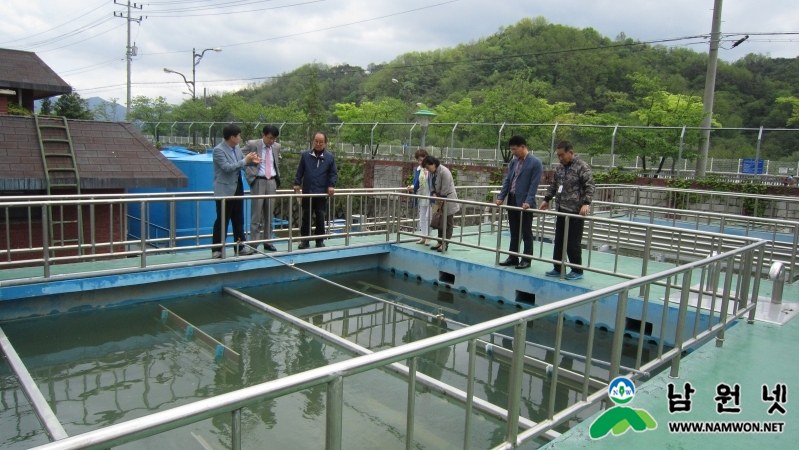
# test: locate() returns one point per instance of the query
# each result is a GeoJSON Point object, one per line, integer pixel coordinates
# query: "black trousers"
{"type": "Point", "coordinates": [450, 225]}
{"type": "Point", "coordinates": [574, 249]}
{"type": "Point", "coordinates": [234, 211]}
{"type": "Point", "coordinates": [317, 205]}
{"type": "Point", "coordinates": [525, 220]}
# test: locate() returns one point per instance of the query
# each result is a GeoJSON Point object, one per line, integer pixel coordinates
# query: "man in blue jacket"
{"type": "Point", "coordinates": [520, 186]}
{"type": "Point", "coordinates": [316, 174]}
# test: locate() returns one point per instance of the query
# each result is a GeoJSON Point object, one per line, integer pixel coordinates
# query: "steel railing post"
{"type": "Point", "coordinates": [467, 429]}
{"type": "Point", "coordinates": [565, 245]}
{"type": "Point", "coordinates": [515, 383]}
{"type": "Point", "coordinates": [143, 234]}
{"type": "Point", "coordinates": [334, 413]}
{"type": "Point", "coordinates": [172, 225]}
{"type": "Point", "coordinates": [553, 384]}
{"type": "Point", "coordinates": [618, 335]}
{"type": "Point", "coordinates": [45, 241]}
{"type": "Point", "coordinates": [499, 233]}
{"type": "Point", "coordinates": [725, 301]}
{"type": "Point", "coordinates": [685, 295]}
{"type": "Point", "coordinates": [412, 366]}
{"type": "Point", "coordinates": [235, 431]}
{"type": "Point", "coordinates": [348, 220]}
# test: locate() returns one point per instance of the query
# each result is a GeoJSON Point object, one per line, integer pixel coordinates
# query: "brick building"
{"type": "Point", "coordinates": [111, 157]}
{"type": "Point", "coordinates": [24, 77]}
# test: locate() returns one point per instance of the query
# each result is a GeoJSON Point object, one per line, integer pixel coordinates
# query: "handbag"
{"type": "Point", "coordinates": [437, 221]}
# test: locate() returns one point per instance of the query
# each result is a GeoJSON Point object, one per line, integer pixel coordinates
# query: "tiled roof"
{"type": "Point", "coordinates": [110, 155]}
{"type": "Point", "coordinates": [25, 70]}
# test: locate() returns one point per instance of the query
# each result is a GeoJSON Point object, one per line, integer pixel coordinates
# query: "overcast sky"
{"type": "Point", "coordinates": [82, 41]}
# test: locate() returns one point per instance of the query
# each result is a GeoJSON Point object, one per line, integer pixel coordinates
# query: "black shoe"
{"type": "Point", "coordinates": [523, 265]}
{"type": "Point", "coordinates": [320, 244]}
{"type": "Point", "coordinates": [304, 245]}
{"type": "Point", "coordinates": [436, 247]}
{"type": "Point", "coordinates": [509, 262]}
{"type": "Point", "coordinates": [270, 247]}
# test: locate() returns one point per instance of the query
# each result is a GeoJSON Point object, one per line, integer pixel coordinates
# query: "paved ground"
{"type": "Point", "coordinates": [752, 355]}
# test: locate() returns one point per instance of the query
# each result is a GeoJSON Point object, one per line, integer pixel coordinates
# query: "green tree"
{"type": "Point", "coordinates": [150, 112]}
{"type": "Point", "coordinates": [794, 102]}
{"type": "Point", "coordinates": [46, 107]}
{"type": "Point", "coordinates": [72, 106]}
{"type": "Point", "coordinates": [315, 113]}
{"type": "Point", "coordinates": [388, 109]}
{"type": "Point", "coordinates": [518, 101]}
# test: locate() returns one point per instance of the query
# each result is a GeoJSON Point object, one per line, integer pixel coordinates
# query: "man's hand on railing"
{"type": "Point", "coordinates": [296, 189]}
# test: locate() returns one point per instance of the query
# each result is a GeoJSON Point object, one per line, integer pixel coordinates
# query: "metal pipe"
{"type": "Point", "coordinates": [777, 275]}
{"type": "Point", "coordinates": [411, 408]}
{"type": "Point", "coordinates": [552, 149]}
{"type": "Point", "coordinates": [618, 335]}
{"type": "Point", "coordinates": [612, 147]}
{"type": "Point", "coordinates": [40, 406]}
{"type": "Point", "coordinates": [372, 139]}
{"type": "Point", "coordinates": [499, 137]}
{"type": "Point", "coordinates": [553, 384]}
{"type": "Point", "coordinates": [679, 333]}
{"type": "Point", "coordinates": [334, 414]}
{"type": "Point", "coordinates": [757, 157]}
{"type": "Point", "coordinates": [410, 135]}
{"type": "Point", "coordinates": [467, 429]}
{"type": "Point", "coordinates": [452, 138]}
{"type": "Point", "coordinates": [515, 383]}
{"type": "Point", "coordinates": [679, 155]}
{"type": "Point", "coordinates": [235, 430]}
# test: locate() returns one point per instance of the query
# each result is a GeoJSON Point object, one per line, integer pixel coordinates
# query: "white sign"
{"type": "Point", "coordinates": [783, 170]}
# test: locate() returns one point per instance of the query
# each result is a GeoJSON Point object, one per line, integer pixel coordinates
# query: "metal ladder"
{"type": "Point", "coordinates": [54, 163]}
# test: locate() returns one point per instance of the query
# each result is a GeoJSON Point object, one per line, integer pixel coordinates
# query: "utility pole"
{"type": "Point", "coordinates": [710, 87]}
{"type": "Point", "coordinates": [130, 51]}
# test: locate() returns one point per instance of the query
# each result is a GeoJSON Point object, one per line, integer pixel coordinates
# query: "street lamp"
{"type": "Point", "coordinates": [423, 116]}
{"type": "Point", "coordinates": [196, 58]}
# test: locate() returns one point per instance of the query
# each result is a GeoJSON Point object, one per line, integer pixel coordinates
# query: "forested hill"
{"type": "Point", "coordinates": [565, 64]}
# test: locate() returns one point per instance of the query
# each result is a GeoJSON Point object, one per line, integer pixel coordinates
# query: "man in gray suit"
{"type": "Point", "coordinates": [263, 179]}
{"type": "Point", "coordinates": [228, 162]}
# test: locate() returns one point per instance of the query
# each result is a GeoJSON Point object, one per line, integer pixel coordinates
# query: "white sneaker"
{"type": "Point", "coordinates": [216, 254]}
{"type": "Point", "coordinates": [244, 251]}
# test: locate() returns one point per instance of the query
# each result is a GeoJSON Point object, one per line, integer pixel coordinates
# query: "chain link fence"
{"type": "Point", "coordinates": [654, 151]}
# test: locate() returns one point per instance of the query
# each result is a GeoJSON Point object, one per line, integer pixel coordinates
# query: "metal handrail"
{"type": "Point", "coordinates": [384, 224]}
{"type": "Point", "coordinates": [333, 374]}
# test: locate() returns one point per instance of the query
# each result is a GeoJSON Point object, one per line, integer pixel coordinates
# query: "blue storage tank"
{"type": "Point", "coordinates": [199, 168]}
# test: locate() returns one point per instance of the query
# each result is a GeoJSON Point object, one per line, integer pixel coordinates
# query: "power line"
{"type": "Point", "coordinates": [342, 25]}
{"type": "Point", "coordinates": [149, 15]}
{"type": "Point", "coordinates": [80, 16]}
{"type": "Point", "coordinates": [83, 40]}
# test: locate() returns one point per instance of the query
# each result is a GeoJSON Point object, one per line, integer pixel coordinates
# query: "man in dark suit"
{"type": "Point", "coordinates": [228, 162]}
{"type": "Point", "coordinates": [263, 179]}
{"type": "Point", "coordinates": [316, 174]}
{"type": "Point", "coordinates": [520, 186]}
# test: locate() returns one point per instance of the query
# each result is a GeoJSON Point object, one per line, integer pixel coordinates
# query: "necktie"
{"type": "Point", "coordinates": [268, 162]}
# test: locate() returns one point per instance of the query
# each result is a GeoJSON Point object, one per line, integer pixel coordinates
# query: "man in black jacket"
{"type": "Point", "coordinates": [316, 174]}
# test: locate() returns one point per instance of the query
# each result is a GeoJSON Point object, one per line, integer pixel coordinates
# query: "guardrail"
{"type": "Point", "coordinates": [740, 203]}
{"type": "Point", "coordinates": [333, 376]}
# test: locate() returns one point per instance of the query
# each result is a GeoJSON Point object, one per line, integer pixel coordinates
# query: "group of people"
{"type": "Point", "coordinates": [572, 186]}
{"type": "Point", "coordinates": [316, 174]}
